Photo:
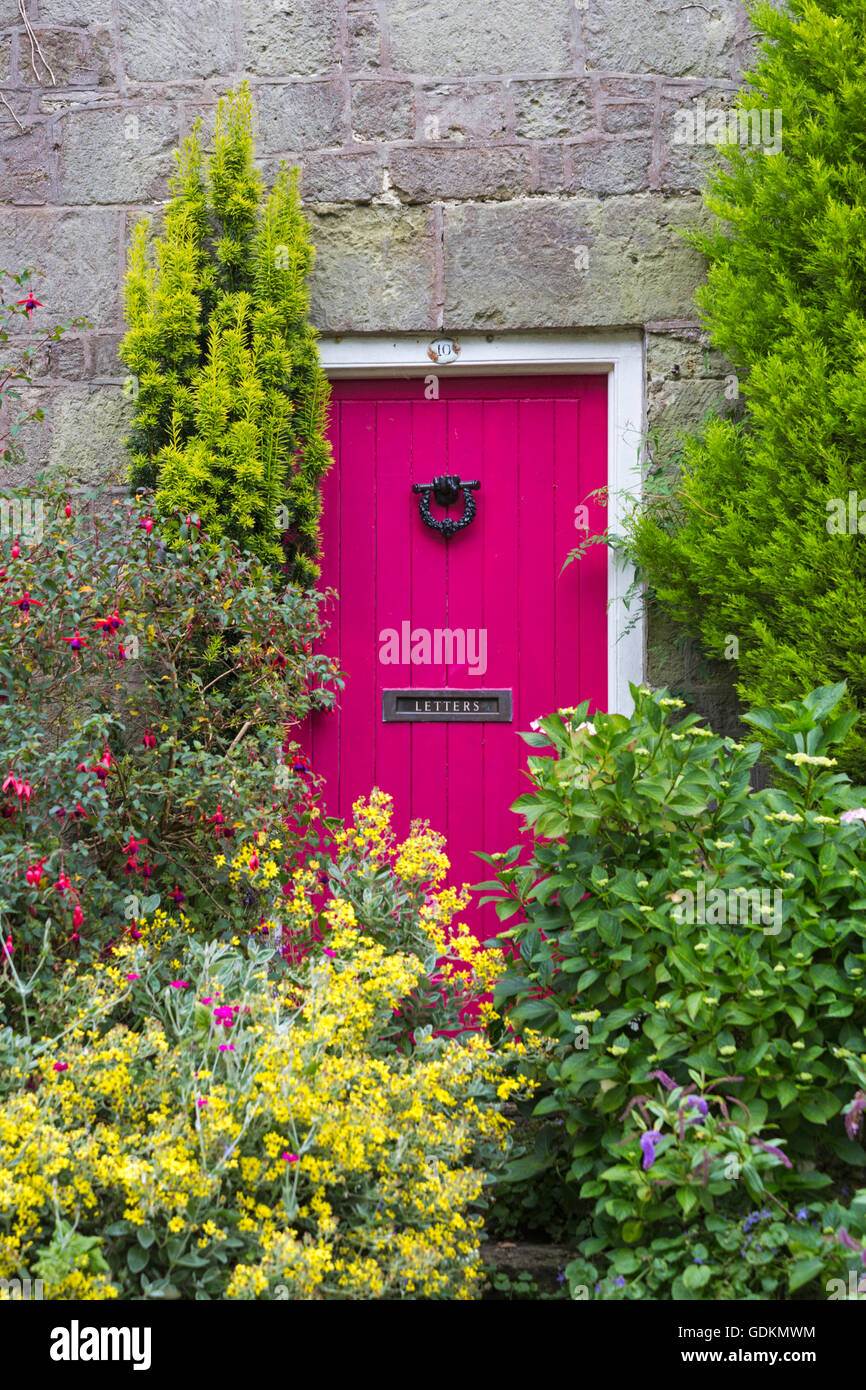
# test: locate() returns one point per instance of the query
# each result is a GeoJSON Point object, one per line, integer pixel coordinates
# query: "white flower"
{"type": "Point", "coordinates": [847, 817]}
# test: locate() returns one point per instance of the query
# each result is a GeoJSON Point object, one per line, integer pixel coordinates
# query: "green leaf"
{"type": "Point", "coordinates": [803, 1272]}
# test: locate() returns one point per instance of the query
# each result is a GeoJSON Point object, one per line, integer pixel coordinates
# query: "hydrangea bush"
{"type": "Point", "coordinates": [672, 922]}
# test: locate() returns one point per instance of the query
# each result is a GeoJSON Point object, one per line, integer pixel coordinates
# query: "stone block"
{"type": "Point", "coordinates": [617, 117]}
{"type": "Point", "coordinates": [536, 263]}
{"type": "Point", "coordinates": [363, 41]}
{"type": "Point", "coordinates": [76, 57]}
{"type": "Point", "coordinates": [97, 12]}
{"type": "Point", "coordinates": [88, 433]}
{"type": "Point", "coordinates": [341, 178]}
{"type": "Point", "coordinates": [383, 110]}
{"type": "Point", "coordinates": [553, 109]}
{"type": "Point", "coordinates": [687, 157]}
{"type": "Point", "coordinates": [466, 112]}
{"type": "Point", "coordinates": [292, 37]}
{"type": "Point", "coordinates": [25, 165]}
{"type": "Point", "coordinates": [453, 37]}
{"type": "Point", "coordinates": [654, 36]}
{"type": "Point", "coordinates": [374, 270]}
{"type": "Point", "coordinates": [421, 175]}
{"type": "Point", "coordinates": [609, 167]}
{"type": "Point", "coordinates": [164, 40]}
{"type": "Point", "coordinates": [123, 155]}
{"type": "Point", "coordinates": [79, 252]}
{"type": "Point", "coordinates": [300, 116]}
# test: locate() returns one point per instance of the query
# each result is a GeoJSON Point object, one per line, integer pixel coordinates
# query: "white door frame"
{"type": "Point", "coordinates": [620, 356]}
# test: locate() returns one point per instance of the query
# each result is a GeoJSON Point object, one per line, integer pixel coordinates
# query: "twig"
{"type": "Point", "coordinates": [11, 112]}
{"type": "Point", "coordinates": [35, 47]}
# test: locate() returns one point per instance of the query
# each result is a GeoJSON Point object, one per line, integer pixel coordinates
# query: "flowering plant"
{"type": "Point", "coordinates": [671, 916]}
{"type": "Point", "coordinates": [188, 1120]}
{"type": "Point", "coordinates": [146, 700]}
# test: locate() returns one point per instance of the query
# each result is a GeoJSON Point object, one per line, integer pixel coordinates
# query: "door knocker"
{"type": "Point", "coordinates": [446, 489]}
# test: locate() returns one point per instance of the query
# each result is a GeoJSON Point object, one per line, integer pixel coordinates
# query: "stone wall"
{"type": "Point", "coordinates": [467, 164]}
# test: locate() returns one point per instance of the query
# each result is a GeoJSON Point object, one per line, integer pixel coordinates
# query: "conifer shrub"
{"type": "Point", "coordinates": [230, 397]}
{"type": "Point", "coordinates": [759, 551]}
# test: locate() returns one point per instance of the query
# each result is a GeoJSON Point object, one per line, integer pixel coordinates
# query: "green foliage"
{"type": "Point", "coordinates": [746, 548]}
{"type": "Point", "coordinates": [646, 949]}
{"type": "Point", "coordinates": [145, 694]}
{"type": "Point", "coordinates": [230, 397]}
{"type": "Point", "coordinates": [203, 1121]}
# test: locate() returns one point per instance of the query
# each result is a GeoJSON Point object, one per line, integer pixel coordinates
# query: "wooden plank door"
{"type": "Point", "coordinates": [484, 610]}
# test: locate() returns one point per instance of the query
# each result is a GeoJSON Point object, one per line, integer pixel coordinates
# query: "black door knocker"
{"type": "Point", "coordinates": [446, 489]}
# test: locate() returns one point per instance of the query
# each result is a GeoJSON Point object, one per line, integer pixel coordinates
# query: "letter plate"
{"type": "Point", "coordinates": [446, 707]}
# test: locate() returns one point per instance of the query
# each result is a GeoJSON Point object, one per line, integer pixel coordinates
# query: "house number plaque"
{"type": "Point", "coordinates": [446, 706]}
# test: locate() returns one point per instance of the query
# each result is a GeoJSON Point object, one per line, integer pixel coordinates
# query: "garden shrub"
{"type": "Point", "coordinates": [146, 699]}
{"type": "Point", "coordinates": [644, 949]}
{"type": "Point", "coordinates": [230, 397]}
{"type": "Point", "coordinates": [199, 1119]}
{"type": "Point", "coordinates": [760, 543]}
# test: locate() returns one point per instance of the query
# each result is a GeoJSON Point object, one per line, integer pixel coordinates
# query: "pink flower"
{"type": "Point", "coordinates": [227, 1047]}
{"type": "Point", "coordinates": [61, 1066]}
{"type": "Point", "coordinates": [179, 984]}
{"type": "Point", "coordinates": [133, 977]}
{"type": "Point", "coordinates": [329, 953]}
{"type": "Point", "coordinates": [291, 1158]}
{"type": "Point", "coordinates": [848, 817]}
{"type": "Point", "coordinates": [207, 999]}
{"type": "Point", "coordinates": [202, 1101]}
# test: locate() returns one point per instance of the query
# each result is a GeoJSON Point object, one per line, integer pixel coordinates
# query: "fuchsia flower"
{"type": "Point", "coordinates": [178, 984]}
{"type": "Point", "coordinates": [63, 884]}
{"type": "Point", "coordinates": [16, 549]}
{"type": "Point", "coordinates": [177, 895]}
{"type": "Point", "coordinates": [61, 1066]}
{"type": "Point", "coordinates": [291, 1158]}
{"type": "Point", "coordinates": [77, 916]}
{"type": "Point", "coordinates": [201, 1102]}
{"type": "Point", "coordinates": [329, 953]}
{"type": "Point", "coordinates": [109, 624]}
{"type": "Point", "coordinates": [146, 524]}
{"type": "Point", "coordinates": [30, 303]}
{"type": "Point", "coordinates": [34, 873]}
{"type": "Point", "coordinates": [133, 977]}
{"type": "Point", "coordinates": [67, 510]}
{"type": "Point", "coordinates": [76, 643]}
{"type": "Point", "coordinates": [26, 603]}
{"type": "Point", "coordinates": [149, 740]}
{"type": "Point", "coordinates": [103, 767]}
{"type": "Point", "coordinates": [227, 1047]}
{"type": "Point", "coordinates": [224, 1014]}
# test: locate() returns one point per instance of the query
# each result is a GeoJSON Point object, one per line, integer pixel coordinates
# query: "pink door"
{"type": "Point", "coordinates": [482, 622]}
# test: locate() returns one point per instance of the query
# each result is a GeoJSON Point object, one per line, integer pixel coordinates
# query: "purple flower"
{"type": "Point", "coordinates": [854, 1116]}
{"type": "Point", "coordinates": [648, 1143]}
{"type": "Point", "coordinates": [665, 1080]}
{"type": "Point", "coordinates": [699, 1101]}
